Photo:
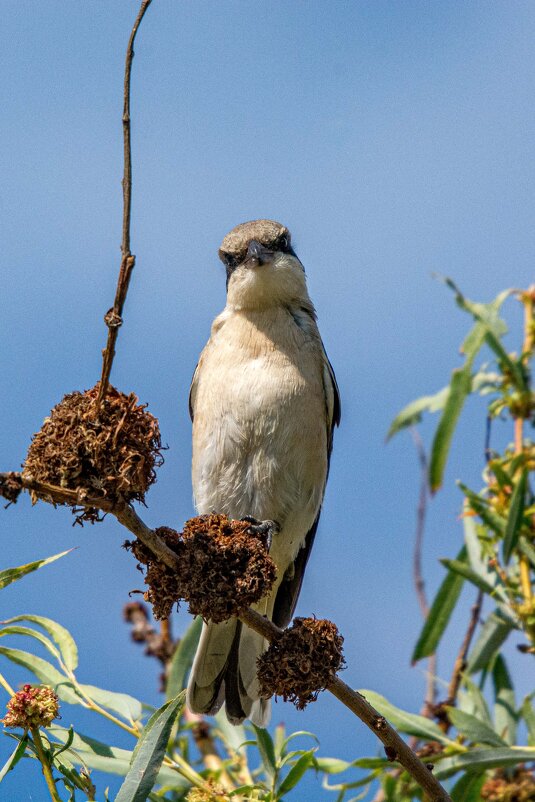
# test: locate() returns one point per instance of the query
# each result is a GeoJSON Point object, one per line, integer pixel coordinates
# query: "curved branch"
{"type": "Point", "coordinates": [125, 514]}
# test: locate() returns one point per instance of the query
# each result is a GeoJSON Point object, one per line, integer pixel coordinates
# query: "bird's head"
{"type": "Point", "coordinates": [262, 268]}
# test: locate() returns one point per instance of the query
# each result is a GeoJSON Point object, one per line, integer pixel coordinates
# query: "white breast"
{"type": "Point", "coordinates": [259, 431]}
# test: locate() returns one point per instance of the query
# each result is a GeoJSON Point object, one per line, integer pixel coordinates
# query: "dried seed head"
{"type": "Point", "coordinates": [301, 662]}
{"type": "Point", "coordinates": [516, 787]}
{"type": "Point", "coordinates": [31, 707]}
{"type": "Point", "coordinates": [212, 792]}
{"type": "Point", "coordinates": [109, 452]}
{"type": "Point", "coordinates": [224, 568]}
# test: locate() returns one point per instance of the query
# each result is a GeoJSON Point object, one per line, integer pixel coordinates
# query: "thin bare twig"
{"type": "Point", "coordinates": [113, 317]}
{"type": "Point", "coordinates": [396, 746]}
{"type": "Point", "coordinates": [460, 661]}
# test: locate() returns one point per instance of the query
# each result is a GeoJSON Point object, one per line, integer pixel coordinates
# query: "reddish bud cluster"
{"type": "Point", "coordinates": [31, 707]}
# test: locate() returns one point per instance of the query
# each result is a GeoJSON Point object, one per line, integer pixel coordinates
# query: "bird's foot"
{"type": "Point", "coordinates": [266, 529]}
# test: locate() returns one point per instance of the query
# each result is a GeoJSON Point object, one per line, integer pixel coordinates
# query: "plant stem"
{"type": "Point", "coordinates": [45, 764]}
{"type": "Point", "coordinates": [113, 318]}
{"type": "Point", "coordinates": [527, 298]}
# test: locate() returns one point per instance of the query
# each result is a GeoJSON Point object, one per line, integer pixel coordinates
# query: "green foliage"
{"type": "Point", "coordinates": [478, 729]}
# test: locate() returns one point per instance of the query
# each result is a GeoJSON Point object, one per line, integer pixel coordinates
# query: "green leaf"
{"type": "Point", "coordinates": [505, 716]}
{"type": "Point", "coordinates": [266, 749]}
{"type": "Point", "coordinates": [149, 752]}
{"type": "Point", "coordinates": [464, 570]}
{"type": "Point", "coordinates": [31, 633]}
{"type": "Point", "coordinates": [14, 758]}
{"type": "Point", "coordinates": [296, 772]}
{"type": "Point", "coordinates": [460, 386]}
{"type": "Point", "coordinates": [472, 701]}
{"type": "Point", "coordinates": [409, 723]}
{"type": "Point", "coordinates": [480, 506]}
{"type": "Point", "coordinates": [527, 550]}
{"type": "Point", "coordinates": [493, 634]}
{"type": "Point", "coordinates": [45, 673]}
{"type": "Point", "coordinates": [299, 734]}
{"type": "Point", "coordinates": [183, 658]}
{"type": "Point", "coordinates": [123, 704]}
{"type": "Point", "coordinates": [61, 636]}
{"type": "Point", "coordinates": [528, 714]}
{"type": "Point", "coordinates": [440, 613]}
{"type": "Point", "coordinates": [473, 547]}
{"type": "Point", "coordinates": [468, 788]}
{"type": "Point", "coordinates": [86, 751]}
{"type": "Point", "coordinates": [482, 759]}
{"type": "Point", "coordinates": [473, 728]}
{"type": "Point", "coordinates": [412, 413]}
{"type": "Point", "coordinates": [515, 517]}
{"type": "Point", "coordinates": [9, 575]}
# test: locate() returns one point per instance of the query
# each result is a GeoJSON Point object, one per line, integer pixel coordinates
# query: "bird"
{"type": "Point", "coordinates": [264, 403]}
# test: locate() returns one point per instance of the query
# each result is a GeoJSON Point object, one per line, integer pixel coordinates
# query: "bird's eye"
{"type": "Point", "coordinates": [283, 243]}
{"type": "Point", "coordinates": [230, 260]}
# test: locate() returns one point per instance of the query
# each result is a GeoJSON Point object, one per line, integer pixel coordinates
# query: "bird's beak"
{"type": "Point", "coordinates": [258, 254]}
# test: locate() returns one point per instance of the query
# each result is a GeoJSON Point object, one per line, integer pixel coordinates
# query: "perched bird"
{"type": "Point", "coordinates": [263, 402]}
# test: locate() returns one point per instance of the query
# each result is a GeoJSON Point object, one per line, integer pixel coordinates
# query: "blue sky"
{"type": "Point", "coordinates": [394, 139]}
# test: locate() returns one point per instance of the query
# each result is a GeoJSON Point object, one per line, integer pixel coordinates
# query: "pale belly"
{"type": "Point", "coordinates": [259, 442]}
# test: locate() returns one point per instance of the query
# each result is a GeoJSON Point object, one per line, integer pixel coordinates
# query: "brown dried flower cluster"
{"type": "Point", "coordinates": [301, 662]}
{"type": "Point", "coordinates": [109, 452]}
{"type": "Point", "coordinates": [224, 568]}
{"type": "Point", "coordinates": [517, 787]}
{"type": "Point", "coordinates": [31, 707]}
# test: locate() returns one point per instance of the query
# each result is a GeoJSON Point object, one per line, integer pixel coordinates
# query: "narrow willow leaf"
{"type": "Point", "coordinates": [86, 751]}
{"type": "Point", "coordinates": [31, 633]}
{"type": "Point", "coordinates": [409, 723]}
{"type": "Point", "coordinates": [61, 636]}
{"type": "Point", "coordinates": [149, 753]}
{"type": "Point", "coordinates": [472, 701]}
{"type": "Point", "coordinates": [14, 758]}
{"type": "Point", "coordinates": [440, 612]}
{"type": "Point", "coordinates": [266, 749]}
{"type": "Point", "coordinates": [296, 772]}
{"type": "Point", "coordinates": [460, 385]}
{"type": "Point", "coordinates": [464, 570]}
{"type": "Point", "coordinates": [481, 759]}
{"type": "Point", "coordinates": [412, 413]}
{"type": "Point", "coordinates": [468, 788]}
{"type": "Point", "coordinates": [299, 734]}
{"type": "Point", "coordinates": [493, 634]}
{"type": "Point", "coordinates": [505, 715]}
{"type": "Point", "coordinates": [123, 704]}
{"type": "Point", "coordinates": [9, 575]}
{"type": "Point", "coordinates": [515, 517]}
{"type": "Point", "coordinates": [473, 547]}
{"type": "Point", "coordinates": [473, 728]}
{"type": "Point", "coordinates": [45, 673]}
{"type": "Point", "coordinates": [528, 714]}
{"type": "Point", "coordinates": [183, 658]}
{"type": "Point", "coordinates": [480, 506]}
{"type": "Point", "coordinates": [527, 550]}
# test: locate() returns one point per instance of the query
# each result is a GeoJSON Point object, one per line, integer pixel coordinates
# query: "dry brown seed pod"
{"type": "Point", "coordinates": [111, 451]}
{"type": "Point", "coordinates": [224, 568]}
{"type": "Point", "coordinates": [301, 662]}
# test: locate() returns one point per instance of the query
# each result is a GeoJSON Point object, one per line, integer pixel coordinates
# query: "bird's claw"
{"type": "Point", "coordinates": [267, 529]}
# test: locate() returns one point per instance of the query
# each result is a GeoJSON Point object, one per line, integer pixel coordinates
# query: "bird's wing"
{"type": "Point", "coordinates": [193, 390]}
{"type": "Point", "coordinates": [290, 586]}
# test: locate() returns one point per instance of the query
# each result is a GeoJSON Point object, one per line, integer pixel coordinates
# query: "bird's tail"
{"type": "Point", "coordinates": [224, 670]}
